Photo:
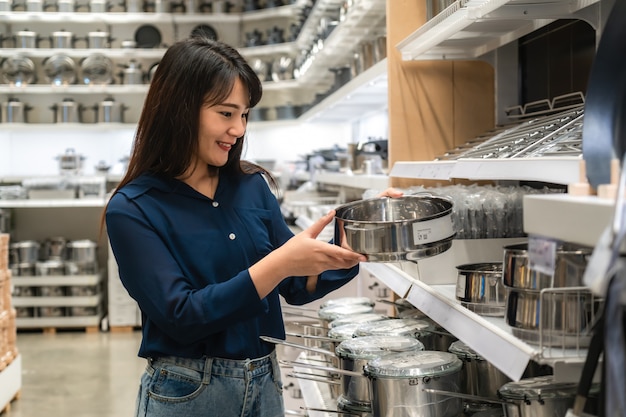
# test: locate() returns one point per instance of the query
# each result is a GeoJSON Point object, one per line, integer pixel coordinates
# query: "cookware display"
{"type": "Point", "coordinates": [334, 312]}
{"type": "Point", "coordinates": [537, 397]}
{"type": "Point", "coordinates": [132, 74]}
{"type": "Point", "coordinates": [283, 68]}
{"type": "Point", "coordinates": [99, 39]}
{"type": "Point", "coordinates": [386, 229]}
{"type": "Point", "coordinates": [110, 111]}
{"type": "Point", "coordinates": [14, 111]}
{"type": "Point", "coordinates": [479, 288]}
{"type": "Point", "coordinates": [419, 329]}
{"type": "Point", "coordinates": [70, 162]}
{"type": "Point", "coordinates": [18, 69]}
{"type": "Point", "coordinates": [356, 319]}
{"type": "Point", "coordinates": [59, 69]}
{"type": "Point", "coordinates": [398, 382]}
{"type": "Point", "coordinates": [347, 301]}
{"type": "Point", "coordinates": [67, 111]}
{"type": "Point", "coordinates": [148, 36]}
{"type": "Point", "coordinates": [96, 69]}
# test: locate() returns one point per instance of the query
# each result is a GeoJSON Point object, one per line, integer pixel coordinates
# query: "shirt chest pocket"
{"type": "Point", "coordinates": [258, 226]}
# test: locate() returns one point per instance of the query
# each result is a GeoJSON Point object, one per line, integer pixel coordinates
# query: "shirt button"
{"type": "Point", "coordinates": [215, 204]}
{"type": "Point", "coordinates": [232, 236]}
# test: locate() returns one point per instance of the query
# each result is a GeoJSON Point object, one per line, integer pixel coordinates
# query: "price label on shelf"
{"type": "Point", "coordinates": [541, 255]}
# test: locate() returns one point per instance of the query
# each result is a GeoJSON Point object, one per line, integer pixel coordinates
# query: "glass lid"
{"type": "Point", "coordinates": [461, 350]}
{"type": "Point", "coordinates": [343, 332]}
{"type": "Point", "coordinates": [357, 319]}
{"type": "Point", "coordinates": [347, 300]}
{"type": "Point", "coordinates": [414, 364]}
{"type": "Point", "coordinates": [369, 347]}
{"type": "Point", "coordinates": [538, 387]}
{"type": "Point", "coordinates": [342, 310]}
{"type": "Point", "coordinates": [395, 327]}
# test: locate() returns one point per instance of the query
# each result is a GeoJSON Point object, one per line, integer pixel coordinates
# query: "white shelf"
{"type": "Point", "coordinates": [60, 280]}
{"type": "Point", "coordinates": [116, 18]}
{"type": "Point", "coordinates": [490, 337]}
{"type": "Point", "coordinates": [67, 301]}
{"type": "Point", "coordinates": [10, 382]}
{"type": "Point", "coordinates": [57, 322]}
{"type": "Point", "coordinates": [556, 170]}
{"type": "Point", "coordinates": [49, 203]}
{"type": "Point", "coordinates": [468, 29]}
{"type": "Point", "coordinates": [576, 219]}
{"type": "Point", "coordinates": [359, 181]}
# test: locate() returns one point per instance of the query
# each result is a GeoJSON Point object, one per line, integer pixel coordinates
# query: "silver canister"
{"type": "Point", "coordinates": [109, 111]}
{"type": "Point", "coordinates": [14, 111]}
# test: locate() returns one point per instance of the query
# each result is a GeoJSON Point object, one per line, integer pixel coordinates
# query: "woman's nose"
{"type": "Point", "coordinates": [238, 127]}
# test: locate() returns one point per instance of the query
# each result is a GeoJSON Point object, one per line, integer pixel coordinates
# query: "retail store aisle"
{"type": "Point", "coordinates": [78, 374]}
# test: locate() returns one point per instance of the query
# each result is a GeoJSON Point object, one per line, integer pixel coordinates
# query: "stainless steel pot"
{"type": "Point", "coordinates": [25, 39]}
{"type": "Point", "coordinates": [355, 353]}
{"type": "Point", "coordinates": [334, 312]}
{"type": "Point", "coordinates": [97, 69]}
{"type": "Point", "coordinates": [70, 162]}
{"type": "Point", "coordinates": [283, 69]}
{"type": "Point", "coordinates": [14, 111]}
{"type": "Point", "coordinates": [83, 251]}
{"type": "Point", "coordinates": [50, 267]}
{"type": "Point", "coordinates": [560, 318]}
{"type": "Point", "coordinates": [67, 111]}
{"type": "Point", "coordinates": [62, 39]}
{"type": "Point", "coordinates": [108, 111]}
{"type": "Point", "coordinates": [59, 69]}
{"type": "Point", "coordinates": [348, 301]}
{"type": "Point", "coordinates": [99, 39]}
{"type": "Point", "coordinates": [356, 319]}
{"type": "Point", "coordinates": [570, 263]}
{"type": "Point", "coordinates": [419, 329]}
{"type": "Point", "coordinates": [479, 288]}
{"type": "Point", "coordinates": [537, 397]}
{"type": "Point", "coordinates": [55, 248]}
{"type": "Point", "coordinates": [387, 229]}
{"type": "Point", "coordinates": [18, 69]}
{"type": "Point", "coordinates": [132, 73]}
{"type": "Point", "coordinates": [24, 252]}
{"type": "Point", "coordinates": [398, 381]}
{"type": "Point", "coordinates": [478, 376]}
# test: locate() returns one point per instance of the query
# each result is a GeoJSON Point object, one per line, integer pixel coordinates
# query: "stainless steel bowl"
{"type": "Point", "coordinates": [396, 229]}
{"type": "Point", "coordinates": [479, 288]}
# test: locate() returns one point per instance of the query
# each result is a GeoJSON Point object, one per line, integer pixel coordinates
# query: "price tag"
{"type": "Point", "coordinates": [542, 255]}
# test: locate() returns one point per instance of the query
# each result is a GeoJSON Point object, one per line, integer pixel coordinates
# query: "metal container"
{"type": "Point", "coordinates": [479, 377]}
{"type": "Point", "coordinates": [335, 312]}
{"type": "Point", "coordinates": [537, 397]}
{"type": "Point", "coordinates": [24, 252]}
{"type": "Point", "coordinates": [14, 111]}
{"type": "Point", "coordinates": [50, 268]}
{"type": "Point", "coordinates": [18, 70]}
{"type": "Point", "coordinates": [109, 111]}
{"type": "Point", "coordinates": [356, 352]}
{"type": "Point", "coordinates": [479, 288]}
{"type": "Point", "coordinates": [356, 319]}
{"type": "Point", "coordinates": [398, 381]}
{"type": "Point", "coordinates": [132, 73]}
{"type": "Point", "coordinates": [55, 248]}
{"type": "Point", "coordinates": [570, 263]}
{"type": "Point", "coordinates": [396, 229]}
{"type": "Point", "coordinates": [98, 39]}
{"type": "Point", "coordinates": [347, 301]}
{"type": "Point", "coordinates": [25, 39]}
{"type": "Point", "coordinates": [59, 69]}
{"type": "Point", "coordinates": [419, 329]}
{"type": "Point", "coordinates": [67, 111]}
{"type": "Point", "coordinates": [62, 39]}
{"type": "Point", "coordinates": [557, 317]}
{"type": "Point", "coordinates": [70, 162]}
{"type": "Point", "coordinates": [82, 251]}
{"type": "Point", "coordinates": [97, 69]}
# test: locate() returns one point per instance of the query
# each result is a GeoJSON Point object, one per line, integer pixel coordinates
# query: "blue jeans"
{"type": "Point", "coordinates": [208, 387]}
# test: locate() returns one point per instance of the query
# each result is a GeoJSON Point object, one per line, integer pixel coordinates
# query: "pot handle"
{"type": "Point", "coordinates": [321, 368]}
{"type": "Point", "coordinates": [324, 410]}
{"type": "Point", "coordinates": [284, 342]}
{"type": "Point", "coordinates": [312, 377]}
{"type": "Point", "coordinates": [463, 396]}
{"type": "Point", "coordinates": [310, 336]}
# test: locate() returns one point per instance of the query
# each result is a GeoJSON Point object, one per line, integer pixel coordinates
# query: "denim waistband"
{"type": "Point", "coordinates": [246, 368]}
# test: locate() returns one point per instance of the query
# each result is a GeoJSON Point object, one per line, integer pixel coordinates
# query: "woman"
{"type": "Point", "coordinates": [202, 247]}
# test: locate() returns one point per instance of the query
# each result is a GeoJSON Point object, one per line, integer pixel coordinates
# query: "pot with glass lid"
{"type": "Point", "coordinates": [419, 329]}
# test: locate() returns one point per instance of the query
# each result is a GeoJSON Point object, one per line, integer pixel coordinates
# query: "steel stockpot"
{"type": "Point", "coordinates": [334, 312]}
{"type": "Point", "coordinates": [479, 288]}
{"type": "Point", "coordinates": [399, 381]}
{"type": "Point", "coordinates": [388, 229]}
{"type": "Point", "coordinates": [570, 263]}
{"type": "Point", "coordinates": [419, 329]}
{"type": "Point", "coordinates": [537, 397]}
{"type": "Point", "coordinates": [347, 301]}
{"type": "Point", "coordinates": [552, 317]}
{"type": "Point", "coordinates": [356, 352]}
{"type": "Point", "coordinates": [83, 251]}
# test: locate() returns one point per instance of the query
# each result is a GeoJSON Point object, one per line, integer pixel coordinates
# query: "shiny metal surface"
{"type": "Point", "coordinates": [479, 288]}
{"type": "Point", "coordinates": [570, 263]}
{"type": "Point", "coordinates": [394, 229]}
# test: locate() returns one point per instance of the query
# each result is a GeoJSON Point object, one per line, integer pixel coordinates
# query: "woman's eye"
{"type": "Point", "coordinates": [227, 114]}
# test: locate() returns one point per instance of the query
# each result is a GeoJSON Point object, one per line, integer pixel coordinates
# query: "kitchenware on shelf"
{"type": "Point", "coordinates": [63, 39]}
{"type": "Point", "coordinates": [24, 252]}
{"type": "Point", "coordinates": [220, 6]}
{"type": "Point", "coordinates": [537, 397]}
{"type": "Point", "coordinates": [24, 39]}
{"type": "Point", "coordinates": [398, 382]}
{"type": "Point", "coordinates": [570, 262]}
{"type": "Point", "coordinates": [98, 40]}
{"type": "Point", "coordinates": [282, 69]}
{"type": "Point", "coordinates": [70, 162]}
{"type": "Point", "coordinates": [131, 73]}
{"type": "Point", "coordinates": [154, 6]}
{"type": "Point", "coordinates": [206, 31]}
{"type": "Point", "coordinates": [99, 6]}
{"type": "Point", "coordinates": [275, 35]}
{"type": "Point", "coordinates": [479, 288]}
{"type": "Point", "coordinates": [66, 6]}
{"type": "Point", "coordinates": [55, 248]}
{"type": "Point", "coordinates": [18, 70]}
{"type": "Point", "coordinates": [152, 71]}
{"type": "Point", "coordinates": [108, 111]}
{"type": "Point", "coordinates": [254, 38]}
{"type": "Point", "coordinates": [250, 5]}
{"type": "Point", "coordinates": [67, 111]}
{"type": "Point", "coordinates": [96, 69]}
{"type": "Point", "coordinates": [51, 267]}
{"type": "Point", "coordinates": [261, 68]}
{"type": "Point", "coordinates": [343, 301]}
{"type": "Point", "coordinates": [343, 75]}
{"type": "Point", "coordinates": [82, 250]}
{"type": "Point", "coordinates": [59, 69]}
{"type": "Point", "coordinates": [14, 111]}
{"type": "Point", "coordinates": [35, 6]}
{"type": "Point", "coordinates": [380, 48]}
{"type": "Point", "coordinates": [287, 111]}
{"type": "Point", "coordinates": [421, 330]}
{"type": "Point", "coordinates": [386, 229]}
{"type": "Point", "coordinates": [148, 36]}
{"type": "Point", "coordinates": [5, 5]}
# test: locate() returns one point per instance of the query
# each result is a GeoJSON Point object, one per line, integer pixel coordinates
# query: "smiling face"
{"type": "Point", "coordinates": [220, 126]}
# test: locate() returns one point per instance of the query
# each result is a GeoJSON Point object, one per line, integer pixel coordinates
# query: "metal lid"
{"type": "Point", "coordinates": [370, 347]}
{"type": "Point", "coordinates": [357, 319]}
{"type": "Point", "coordinates": [395, 327]}
{"type": "Point", "coordinates": [538, 387]}
{"type": "Point", "coordinates": [338, 311]}
{"type": "Point", "coordinates": [82, 243]}
{"type": "Point", "coordinates": [50, 263]}
{"type": "Point", "coordinates": [343, 332]}
{"type": "Point", "coordinates": [414, 364]}
{"type": "Point", "coordinates": [484, 267]}
{"type": "Point", "coordinates": [347, 301]}
{"type": "Point", "coordinates": [463, 351]}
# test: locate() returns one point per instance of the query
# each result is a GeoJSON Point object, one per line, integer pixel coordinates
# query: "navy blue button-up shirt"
{"type": "Point", "coordinates": [184, 258]}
